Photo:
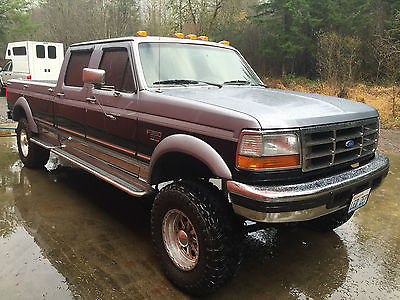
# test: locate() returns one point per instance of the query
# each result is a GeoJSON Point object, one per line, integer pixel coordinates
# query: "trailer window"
{"type": "Point", "coordinates": [77, 62]}
{"type": "Point", "coordinates": [118, 69]}
{"type": "Point", "coordinates": [19, 50]}
{"type": "Point", "coordinates": [40, 51]}
{"type": "Point", "coordinates": [51, 52]}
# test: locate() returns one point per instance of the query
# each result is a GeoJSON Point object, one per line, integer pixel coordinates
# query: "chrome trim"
{"type": "Point", "coordinates": [324, 146]}
{"type": "Point", "coordinates": [94, 172]}
{"type": "Point", "coordinates": [284, 217]}
{"type": "Point", "coordinates": [295, 193]}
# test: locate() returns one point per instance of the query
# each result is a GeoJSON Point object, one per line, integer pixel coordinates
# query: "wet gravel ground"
{"type": "Point", "coordinates": [64, 234]}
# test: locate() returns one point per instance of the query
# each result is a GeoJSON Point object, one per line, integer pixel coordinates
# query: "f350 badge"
{"type": "Point", "coordinates": [154, 135]}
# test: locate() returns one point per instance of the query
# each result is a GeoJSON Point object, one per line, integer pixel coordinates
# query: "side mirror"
{"type": "Point", "coordinates": [1, 69]}
{"type": "Point", "coordinates": [94, 76]}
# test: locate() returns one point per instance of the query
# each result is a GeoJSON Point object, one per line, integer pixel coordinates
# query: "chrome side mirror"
{"type": "Point", "coordinates": [94, 76]}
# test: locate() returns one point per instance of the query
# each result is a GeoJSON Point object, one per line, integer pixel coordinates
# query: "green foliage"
{"type": "Point", "coordinates": [14, 19]}
{"type": "Point", "coordinates": [290, 30]}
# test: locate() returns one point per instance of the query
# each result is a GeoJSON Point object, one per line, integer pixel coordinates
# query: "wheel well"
{"type": "Point", "coordinates": [18, 112]}
{"type": "Point", "coordinates": [176, 165]}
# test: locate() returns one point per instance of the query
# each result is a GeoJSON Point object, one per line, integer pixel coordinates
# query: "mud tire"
{"type": "Point", "coordinates": [219, 234]}
{"type": "Point", "coordinates": [329, 222]}
{"type": "Point", "coordinates": [33, 156]}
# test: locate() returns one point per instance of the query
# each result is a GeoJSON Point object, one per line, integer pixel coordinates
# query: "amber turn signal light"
{"type": "Point", "coordinates": [268, 162]}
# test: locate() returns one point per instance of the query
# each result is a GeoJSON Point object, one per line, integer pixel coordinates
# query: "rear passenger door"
{"type": "Point", "coordinates": [70, 100]}
{"type": "Point", "coordinates": [111, 116]}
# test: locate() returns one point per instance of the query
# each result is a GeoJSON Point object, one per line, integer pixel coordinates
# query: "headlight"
{"type": "Point", "coordinates": [257, 151]}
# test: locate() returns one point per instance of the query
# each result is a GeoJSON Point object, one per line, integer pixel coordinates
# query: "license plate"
{"type": "Point", "coordinates": [359, 200]}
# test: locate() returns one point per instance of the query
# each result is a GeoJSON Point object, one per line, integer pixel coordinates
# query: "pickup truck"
{"type": "Point", "coordinates": [186, 123]}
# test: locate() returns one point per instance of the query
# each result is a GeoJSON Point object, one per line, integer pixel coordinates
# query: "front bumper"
{"type": "Point", "coordinates": [307, 200]}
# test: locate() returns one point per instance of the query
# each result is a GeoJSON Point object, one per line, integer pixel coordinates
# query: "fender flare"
{"type": "Point", "coordinates": [22, 104]}
{"type": "Point", "coordinates": [194, 147]}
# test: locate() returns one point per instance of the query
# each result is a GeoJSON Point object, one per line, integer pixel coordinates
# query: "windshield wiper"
{"type": "Point", "coordinates": [236, 82]}
{"type": "Point", "coordinates": [185, 81]}
{"type": "Point", "coordinates": [243, 82]}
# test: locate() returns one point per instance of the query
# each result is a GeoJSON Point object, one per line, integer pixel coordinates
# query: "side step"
{"type": "Point", "coordinates": [135, 187]}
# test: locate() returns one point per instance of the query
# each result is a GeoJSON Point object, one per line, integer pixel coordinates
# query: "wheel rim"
{"type": "Point", "coordinates": [24, 143]}
{"type": "Point", "coordinates": [180, 239]}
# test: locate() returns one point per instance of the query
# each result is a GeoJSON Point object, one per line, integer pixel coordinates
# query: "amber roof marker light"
{"type": "Point", "coordinates": [225, 43]}
{"type": "Point", "coordinates": [191, 36]}
{"type": "Point", "coordinates": [178, 35]}
{"type": "Point", "coordinates": [141, 33]}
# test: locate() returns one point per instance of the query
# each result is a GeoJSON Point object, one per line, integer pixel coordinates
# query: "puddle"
{"type": "Point", "coordinates": [65, 234]}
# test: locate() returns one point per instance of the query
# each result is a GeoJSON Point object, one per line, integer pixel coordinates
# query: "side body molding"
{"type": "Point", "coordinates": [20, 106]}
{"type": "Point", "coordinates": [194, 147]}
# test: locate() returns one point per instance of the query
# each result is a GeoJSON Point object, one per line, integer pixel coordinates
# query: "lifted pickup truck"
{"type": "Point", "coordinates": [165, 117]}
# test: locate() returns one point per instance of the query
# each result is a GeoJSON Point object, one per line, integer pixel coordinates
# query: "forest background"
{"type": "Point", "coordinates": [345, 48]}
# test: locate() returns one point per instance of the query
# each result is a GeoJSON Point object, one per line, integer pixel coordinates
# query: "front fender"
{"type": "Point", "coordinates": [195, 147]}
{"type": "Point", "coordinates": [20, 107]}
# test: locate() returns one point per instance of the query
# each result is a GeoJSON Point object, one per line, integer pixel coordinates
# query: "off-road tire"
{"type": "Point", "coordinates": [329, 222]}
{"type": "Point", "coordinates": [219, 235]}
{"type": "Point", "coordinates": [33, 156]}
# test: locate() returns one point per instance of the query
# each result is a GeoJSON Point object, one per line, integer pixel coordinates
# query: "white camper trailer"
{"type": "Point", "coordinates": [32, 60]}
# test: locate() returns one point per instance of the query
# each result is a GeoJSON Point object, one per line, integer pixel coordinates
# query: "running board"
{"type": "Point", "coordinates": [128, 187]}
{"type": "Point", "coordinates": [44, 144]}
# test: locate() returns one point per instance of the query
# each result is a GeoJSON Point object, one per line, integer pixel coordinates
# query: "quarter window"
{"type": "Point", "coordinates": [40, 51]}
{"type": "Point", "coordinates": [77, 62]}
{"type": "Point", "coordinates": [118, 70]}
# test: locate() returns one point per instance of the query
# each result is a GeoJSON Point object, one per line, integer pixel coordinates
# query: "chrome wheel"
{"type": "Point", "coordinates": [180, 239]}
{"type": "Point", "coordinates": [24, 143]}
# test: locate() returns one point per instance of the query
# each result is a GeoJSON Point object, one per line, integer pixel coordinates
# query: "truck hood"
{"type": "Point", "coordinates": [278, 109]}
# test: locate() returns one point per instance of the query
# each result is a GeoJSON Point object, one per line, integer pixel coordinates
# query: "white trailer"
{"type": "Point", "coordinates": [32, 60]}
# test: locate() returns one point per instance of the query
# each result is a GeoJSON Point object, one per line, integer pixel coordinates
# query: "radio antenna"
{"type": "Point", "coordinates": [159, 50]}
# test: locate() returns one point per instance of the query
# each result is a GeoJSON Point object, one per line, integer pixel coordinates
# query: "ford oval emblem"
{"type": "Point", "coordinates": [349, 143]}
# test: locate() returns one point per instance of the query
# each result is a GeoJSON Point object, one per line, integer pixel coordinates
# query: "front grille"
{"type": "Point", "coordinates": [330, 145]}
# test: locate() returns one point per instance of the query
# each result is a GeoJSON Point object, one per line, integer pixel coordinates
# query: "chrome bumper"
{"type": "Point", "coordinates": [307, 200]}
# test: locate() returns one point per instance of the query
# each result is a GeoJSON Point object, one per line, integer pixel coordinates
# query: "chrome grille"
{"type": "Point", "coordinates": [329, 145]}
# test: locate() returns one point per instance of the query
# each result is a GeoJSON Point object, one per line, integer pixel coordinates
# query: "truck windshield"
{"type": "Point", "coordinates": [185, 64]}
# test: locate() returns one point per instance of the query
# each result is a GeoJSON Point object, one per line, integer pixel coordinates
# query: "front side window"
{"type": "Point", "coordinates": [19, 51]}
{"type": "Point", "coordinates": [40, 51]}
{"type": "Point", "coordinates": [169, 62]}
{"type": "Point", "coordinates": [8, 67]}
{"type": "Point", "coordinates": [118, 70]}
{"type": "Point", "coordinates": [77, 62]}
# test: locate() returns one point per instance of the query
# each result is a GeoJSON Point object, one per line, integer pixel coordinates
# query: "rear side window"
{"type": "Point", "coordinates": [118, 70]}
{"type": "Point", "coordinates": [51, 52]}
{"type": "Point", "coordinates": [40, 51]}
{"type": "Point", "coordinates": [19, 50]}
{"type": "Point", "coordinates": [77, 62]}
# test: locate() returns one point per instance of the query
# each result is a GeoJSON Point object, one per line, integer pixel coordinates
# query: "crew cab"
{"type": "Point", "coordinates": [186, 123]}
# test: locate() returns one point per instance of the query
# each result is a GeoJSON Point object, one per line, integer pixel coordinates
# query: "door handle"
{"type": "Point", "coordinates": [26, 86]}
{"type": "Point", "coordinates": [91, 100]}
{"type": "Point", "coordinates": [60, 94]}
